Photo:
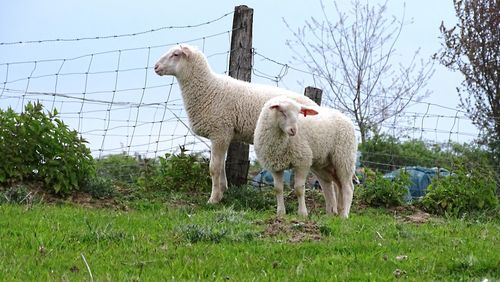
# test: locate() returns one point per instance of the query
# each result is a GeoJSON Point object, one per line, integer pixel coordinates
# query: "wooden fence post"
{"type": "Point", "coordinates": [240, 67]}
{"type": "Point", "coordinates": [314, 94]}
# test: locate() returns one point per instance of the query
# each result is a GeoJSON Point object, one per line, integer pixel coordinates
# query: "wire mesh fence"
{"type": "Point", "coordinates": [116, 102]}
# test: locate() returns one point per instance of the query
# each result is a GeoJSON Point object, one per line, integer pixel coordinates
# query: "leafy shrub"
{"type": "Point", "coordinates": [39, 147]}
{"type": "Point", "coordinates": [379, 191]}
{"type": "Point", "coordinates": [384, 152]}
{"type": "Point", "coordinates": [120, 167]}
{"type": "Point", "coordinates": [99, 187]}
{"type": "Point", "coordinates": [466, 191]}
{"type": "Point", "coordinates": [182, 172]}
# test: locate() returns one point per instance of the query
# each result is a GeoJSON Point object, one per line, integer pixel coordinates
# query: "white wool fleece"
{"type": "Point", "coordinates": [220, 108]}
{"type": "Point", "coordinates": [324, 143]}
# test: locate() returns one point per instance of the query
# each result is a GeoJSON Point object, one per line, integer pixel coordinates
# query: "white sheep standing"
{"type": "Point", "coordinates": [322, 140]}
{"type": "Point", "coordinates": [219, 107]}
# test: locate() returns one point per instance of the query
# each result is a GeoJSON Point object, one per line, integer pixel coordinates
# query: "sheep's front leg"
{"type": "Point", "coordinates": [300, 179]}
{"type": "Point", "coordinates": [217, 170]}
{"type": "Point", "coordinates": [278, 186]}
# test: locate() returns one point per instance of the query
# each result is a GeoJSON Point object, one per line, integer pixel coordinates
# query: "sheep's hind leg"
{"type": "Point", "coordinates": [217, 170]}
{"type": "Point", "coordinates": [330, 199]}
{"type": "Point", "coordinates": [326, 182]}
{"type": "Point", "coordinates": [347, 194]}
{"type": "Point", "coordinates": [337, 189]}
{"type": "Point", "coordinates": [278, 186]}
{"type": "Point", "coordinates": [223, 178]}
{"type": "Point", "coordinates": [300, 178]}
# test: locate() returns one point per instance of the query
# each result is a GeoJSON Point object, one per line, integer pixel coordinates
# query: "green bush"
{"type": "Point", "coordinates": [99, 187]}
{"type": "Point", "coordinates": [182, 172]}
{"type": "Point", "coordinates": [378, 191]}
{"type": "Point", "coordinates": [39, 147]}
{"type": "Point", "coordinates": [384, 152]}
{"type": "Point", "coordinates": [120, 167]}
{"type": "Point", "coordinates": [466, 191]}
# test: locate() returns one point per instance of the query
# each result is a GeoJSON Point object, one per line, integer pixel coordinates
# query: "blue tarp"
{"type": "Point", "coordinates": [264, 177]}
{"type": "Point", "coordinates": [420, 177]}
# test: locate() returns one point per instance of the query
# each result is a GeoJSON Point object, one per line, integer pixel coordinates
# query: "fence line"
{"type": "Point", "coordinates": [121, 107]}
{"type": "Point", "coordinates": [118, 35]}
{"type": "Point", "coordinates": [158, 124]}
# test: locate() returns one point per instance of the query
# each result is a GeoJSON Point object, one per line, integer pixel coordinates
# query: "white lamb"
{"type": "Point", "coordinates": [322, 140]}
{"type": "Point", "coordinates": [219, 107]}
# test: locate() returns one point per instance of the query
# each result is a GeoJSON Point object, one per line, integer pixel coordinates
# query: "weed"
{"type": "Point", "coordinates": [100, 234]}
{"type": "Point", "coordinates": [99, 187]}
{"type": "Point", "coordinates": [465, 192]}
{"type": "Point", "coordinates": [249, 197]}
{"type": "Point", "coordinates": [198, 233]}
{"type": "Point", "coordinates": [378, 191]}
{"type": "Point", "coordinates": [216, 226]}
{"type": "Point", "coordinates": [182, 172]}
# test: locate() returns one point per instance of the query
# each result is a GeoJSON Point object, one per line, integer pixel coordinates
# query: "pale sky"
{"type": "Point", "coordinates": [24, 20]}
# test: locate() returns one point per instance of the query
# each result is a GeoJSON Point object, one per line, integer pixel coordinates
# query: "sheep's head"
{"type": "Point", "coordinates": [286, 113]}
{"type": "Point", "coordinates": [171, 62]}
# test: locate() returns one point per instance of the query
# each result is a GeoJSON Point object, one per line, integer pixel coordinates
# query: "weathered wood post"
{"type": "Point", "coordinates": [240, 67]}
{"type": "Point", "coordinates": [314, 94]}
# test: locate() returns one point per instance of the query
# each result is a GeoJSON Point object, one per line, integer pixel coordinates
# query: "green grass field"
{"type": "Point", "coordinates": [161, 242]}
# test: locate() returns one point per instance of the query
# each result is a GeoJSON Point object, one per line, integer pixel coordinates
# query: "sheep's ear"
{"type": "Point", "coordinates": [308, 111]}
{"type": "Point", "coordinates": [186, 50]}
{"type": "Point", "coordinates": [275, 106]}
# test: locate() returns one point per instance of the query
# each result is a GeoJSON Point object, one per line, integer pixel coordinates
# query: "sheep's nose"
{"type": "Point", "coordinates": [157, 67]}
{"type": "Point", "coordinates": [292, 132]}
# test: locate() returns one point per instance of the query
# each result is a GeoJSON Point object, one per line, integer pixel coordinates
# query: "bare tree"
{"type": "Point", "coordinates": [472, 47]}
{"type": "Point", "coordinates": [352, 58]}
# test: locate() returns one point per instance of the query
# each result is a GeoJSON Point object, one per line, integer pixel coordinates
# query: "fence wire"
{"type": "Point", "coordinates": [117, 103]}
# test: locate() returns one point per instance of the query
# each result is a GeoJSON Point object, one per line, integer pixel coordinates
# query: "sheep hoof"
{"type": "Point", "coordinates": [214, 200]}
{"type": "Point", "coordinates": [280, 212]}
{"type": "Point", "coordinates": [302, 213]}
{"type": "Point", "coordinates": [331, 211]}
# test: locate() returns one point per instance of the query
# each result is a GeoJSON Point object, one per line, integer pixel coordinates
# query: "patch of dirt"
{"type": "Point", "coordinates": [295, 231]}
{"type": "Point", "coordinates": [36, 194]}
{"type": "Point", "coordinates": [411, 214]}
{"type": "Point", "coordinates": [418, 217]}
{"type": "Point", "coordinates": [87, 201]}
